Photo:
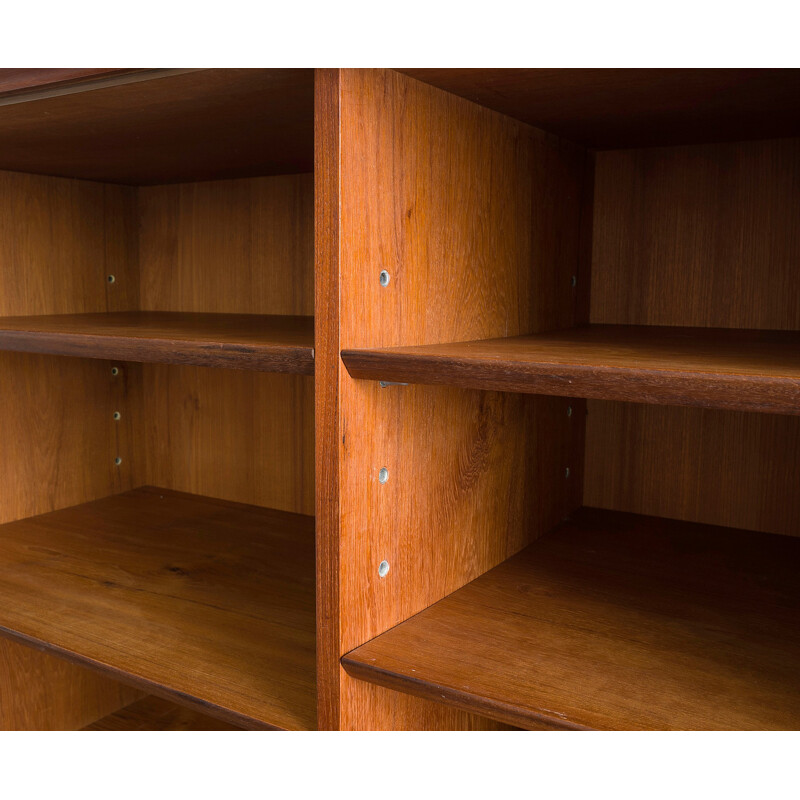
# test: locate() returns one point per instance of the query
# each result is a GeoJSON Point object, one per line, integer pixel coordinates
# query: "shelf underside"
{"type": "Point", "coordinates": [155, 714]}
{"type": "Point", "coordinates": [201, 601]}
{"type": "Point", "coordinates": [613, 621]}
{"type": "Point", "coordinates": [267, 343]}
{"type": "Point", "coordinates": [713, 368]}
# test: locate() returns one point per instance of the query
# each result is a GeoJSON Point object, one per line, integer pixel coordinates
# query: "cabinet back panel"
{"type": "Point", "coordinates": [237, 435]}
{"type": "Point", "coordinates": [239, 246]}
{"type": "Point", "coordinates": [699, 236]}
{"type": "Point", "coordinates": [236, 246]}
{"type": "Point", "coordinates": [703, 236]}
{"type": "Point", "coordinates": [719, 467]}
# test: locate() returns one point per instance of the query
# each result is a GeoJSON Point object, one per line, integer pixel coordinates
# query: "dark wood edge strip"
{"type": "Point", "coordinates": [98, 79]}
{"type": "Point", "coordinates": [130, 679]}
{"type": "Point", "coordinates": [326, 391]}
{"type": "Point", "coordinates": [660, 387]}
{"type": "Point", "coordinates": [262, 358]}
{"type": "Point", "coordinates": [473, 704]}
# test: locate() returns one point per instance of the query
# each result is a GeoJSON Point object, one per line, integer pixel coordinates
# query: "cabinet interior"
{"type": "Point", "coordinates": [142, 224]}
{"type": "Point", "coordinates": [567, 420]}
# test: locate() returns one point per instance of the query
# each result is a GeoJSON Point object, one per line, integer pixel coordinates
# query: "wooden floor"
{"type": "Point", "coordinates": [613, 621]}
{"type": "Point", "coordinates": [267, 343]}
{"type": "Point", "coordinates": [713, 368]}
{"type": "Point", "coordinates": [203, 600]}
{"type": "Point", "coordinates": [155, 714]}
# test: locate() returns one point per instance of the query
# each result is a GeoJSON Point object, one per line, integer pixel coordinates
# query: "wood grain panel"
{"type": "Point", "coordinates": [41, 692]}
{"type": "Point", "coordinates": [59, 242]}
{"type": "Point", "coordinates": [167, 126]}
{"type": "Point", "coordinates": [608, 108]}
{"type": "Point", "coordinates": [243, 246]}
{"type": "Point", "coordinates": [458, 204]}
{"type": "Point", "coordinates": [698, 236]}
{"type": "Point", "coordinates": [207, 602]}
{"type": "Point", "coordinates": [235, 435]}
{"type": "Point", "coordinates": [613, 621]}
{"type": "Point", "coordinates": [718, 467]}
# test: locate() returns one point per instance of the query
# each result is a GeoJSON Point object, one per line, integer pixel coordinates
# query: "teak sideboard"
{"type": "Point", "coordinates": [381, 399]}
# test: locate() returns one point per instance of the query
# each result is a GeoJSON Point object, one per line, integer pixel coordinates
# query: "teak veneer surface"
{"type": "Point", "coordinates": [156, 714]}
{"type": "Point", "coordinates": [198, 125]}
{"type": "Point", "coordinates": [745, 370]}
{"type": "Point", "coordinates": [613, 621]}
{"type": "Point", "coordinates": [610, 108]}
{"type": "Point", "coordinates": [271, 343]}
{"type": "Point", "coordinates": [203, 601]}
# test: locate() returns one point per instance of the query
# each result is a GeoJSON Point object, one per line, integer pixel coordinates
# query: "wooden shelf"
{"type": "Point", "coordinates": [155, 714]}
{"type": "Point", "coordinates": [613, 621]}
{"type": "Point", "coordinates": [243, 341]}
{"type": "Point", "coordinates": [734, 369]}
{"type": "Point", "coordinates": [204, 601]}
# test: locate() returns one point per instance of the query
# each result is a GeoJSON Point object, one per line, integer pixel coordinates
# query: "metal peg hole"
{"type": "Point", "coordinates": [383, 569]}
{"type": "Point", "coordinates": [117, 415]}
{"type": "Point", "coordinates": [574, 281]}
{"type": "Point", "coordinates": [384, 278]}
{"type": "Point", "coordinates": [569, 411]}
{"type": "Point", "coordinates": [566, 472]}
{"type": "Point", "coordinates": [383, 475]}
{"type": "Point", "coordinates": [117, 460]}
{"type": "Point", "coordinates": [115, 371]}
{"type": "Point", "coordinates": [111, 279]}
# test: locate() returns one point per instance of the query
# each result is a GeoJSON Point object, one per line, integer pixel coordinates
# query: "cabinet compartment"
{"type": "Point", "coordinates": [669, 283]}
{"type": "Point", "coordinates": [177, 300]}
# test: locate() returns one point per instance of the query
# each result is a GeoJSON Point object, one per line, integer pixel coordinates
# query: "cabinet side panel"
{"type": "Point", "coordinates": [475, 217]}
{"type": "Point", "coordinates": [59, 241]}
{"type": "Point", "coordinates": [234, 246]}
{"type": "Point", "coordinates": [39, 692]}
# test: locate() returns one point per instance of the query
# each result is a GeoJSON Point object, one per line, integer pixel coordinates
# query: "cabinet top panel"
{"type": "Point", "coordinates": [617, 108]}
{"type": "Point", "coordinates": [160, 126]}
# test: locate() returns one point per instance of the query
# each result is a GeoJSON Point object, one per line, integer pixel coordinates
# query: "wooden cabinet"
{"type": "Point", "coordinates": [436, 399]}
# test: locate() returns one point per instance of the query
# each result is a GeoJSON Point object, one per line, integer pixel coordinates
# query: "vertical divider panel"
{"type": "Point", "coordinates": [475, 218]}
